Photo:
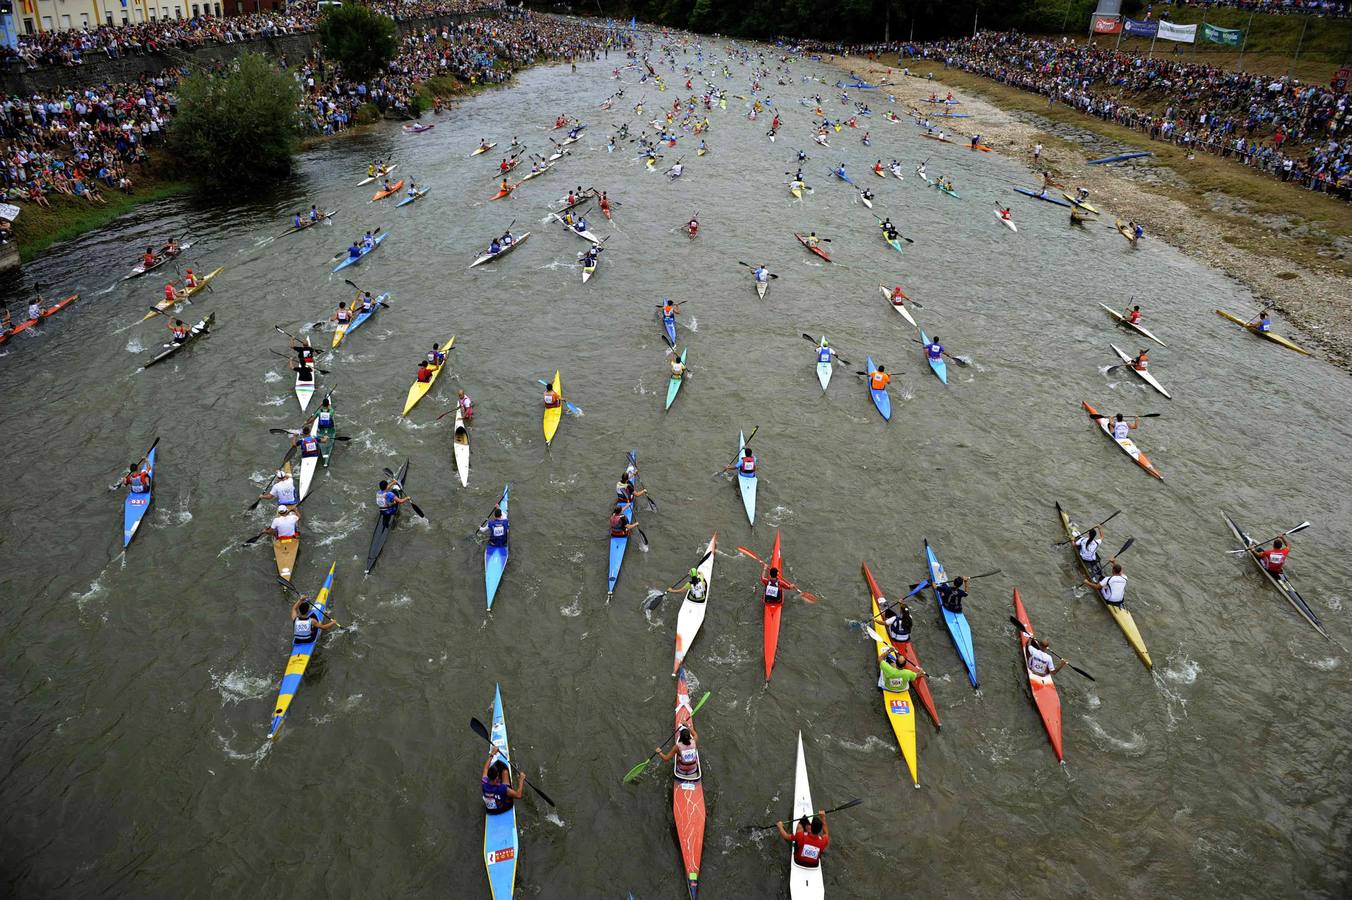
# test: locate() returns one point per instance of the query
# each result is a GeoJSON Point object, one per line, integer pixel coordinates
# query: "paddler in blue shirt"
{"type": "Point", "coordinates": [368, 242]}
{"type": "Point", "coordinates": [305, 625]}
{"type": "Point", "coordinates": [496, 785]}
{"type": "Point", "coordinates": [297, 222]}
{"type": "Point", "coordinates": [934, 350]}
{"type": "Point", "coordinates": [314, 213]}
{"type": "Point", "coordinates": [388, 499]}
{"type": "Point", "coordinates": [495, 247]}
{"type": "Point", "coordinates": [354, 252]}
{"type": "Point", "coordinates": [497, 527]}
{"type": "Point", "coordinates": [412, 188]}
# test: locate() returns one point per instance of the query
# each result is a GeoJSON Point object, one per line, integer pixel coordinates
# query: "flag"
{"type": "Point", "coordinates": [1228, 36]}
{"type": "Point", "coordinates": [1107, 24]}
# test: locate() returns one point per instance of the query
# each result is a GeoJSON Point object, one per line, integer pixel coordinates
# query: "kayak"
{"type": "Point", "coordinates": [1125, 230]}
{"type": "Point", "coordinates": [669, 326]}
{"type": "Point", "coordinates": [746, 484]}
{"type": "Point", "coordinates": [419, 389]}
{"type": "Point", "coordinates": [946, 190]}
{"type": "Point", "coordinates": [894, 243]}
{"type": "Point", "coordinates": [899, 307]}
{"type": "Point", "coordinates": [1080, 203]}
{"type": "Point", "coordinates": [412, 197]}
{"type": "Point", "coordinates": [1043, 688]}
{"type": "Point", "coordinates": [495, 558]}
{"type": "Point", "coordinates": [387, 192]}
{"type": "Point", "coordinates": [308, 464]}
{"type": "Point", "coordinates": [305, 389]}
{"type": "Point", "coordinates": [804, 883]}
{"type": "Point", "coordinates": [1120, 157]}
{"type": "Point", "coordinates": [906, 648]}
{"type": "Point", "coordinates": [1094, 571]}
{"type": "Point", "coordinates": [1269, 335]}
{"type": "Point", "coordinates": [504, 192]}
{"type": "Point", "coordinates": [553, 416]}
{"type": "Point", "coordinates": [897, 172]}
{"type": "Point", "coordinates": [135, 506]}
{"type": "Point", "coordinates": [285, 550]}
{"type": "Point", "coordinates": [1044, 196]}
{"type": "Point", "coordinates": [1009, 223]}
{"type": "Point", "coordinates": [325, 447]}
{"type": "Point", "coordinates": [762, 287]}
{"type": "Point", "coordinates": [501, 845]}
{"type": "Point", "coordinates": [182, 296]}
{"type": "Point", "coordinates": [535, 174]}
{"type": "Point", "coordinates": [380, 173]}
{"type": "Point", "coordinates": [691, 616]}
{"type": "Point", "coordinates": [1143, 375]}
{"type": "Point", "coordinates": [880, 398]}
{"type": "Point", "coordinates": [201, 328]}
{"type": "Point", "coordinates": [824, 369]}
{"type": "Point", "coordinates": [419, 128]}
{"type": "Point", "coordinates": [938, 365]}
{"type": "Point", "coordinates": [958, 629]}
{"type": "Point", "coordinates": [489, 257]}
{"type": "Point", "coordinates": [383, 525]}
{"type": "Point", "coordinates": [935, 137]}
{"type": "Point", "coordinates": [1123, 321]}
{"type": "Point", "coordinates": [796, 189]}
{"type": "Point", "coordinates": [982, 147]}
{"type": "Point", "coordinates": [814, 249]}
{"type": "Point", "coordinates": [687, 802]}
{"type": "Point", "coordinates": [674, 385]}
{"type": "Point", "coordinates": [358, 318]}
{"type": "Point", "coordinates": [1279, 581]}
{"type": "Point", "coordinates": [299, 660]}
{"type": "Point", "coordinates": [141, 268]}
{"type": "Point", "coordinates": [897, 706]}
{"type": "Point", "coordinates": [49, 311]}
{"type": "Point", "coordinates": [585, 234]}
{"type": "Point", "coordinates": [589, 270]}
{"type": "Point", "coordinates": [461, 447]}
{"type": "Point", "coordinates": [1127, 444]}
{"type": "Point", "coordinates": [770, 629]}
{"type": "Point", "coordinates": [353, 260]}
{"type": "Point", "coordinates": [484, 148]}
{"type": "Point", "coordinates": [619, 544]}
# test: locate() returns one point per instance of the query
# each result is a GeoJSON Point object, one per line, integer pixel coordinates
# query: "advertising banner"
{"type": "Point", "coordinates": [1184, 34]}
{"type": "Point", "coordinates": [1133, 28]}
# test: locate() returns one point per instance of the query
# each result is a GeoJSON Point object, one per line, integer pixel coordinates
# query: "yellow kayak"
{"type": "Point", "coordinates": [1269, 335]}
{"type": "Point", "coordinates": [899, 708]}
{"type": "Point", "coordinates": [552, 416]}
{"type": "Point", "coordinates": [419, 388]}
{"type": "Point", "coordinates": [184, 294]}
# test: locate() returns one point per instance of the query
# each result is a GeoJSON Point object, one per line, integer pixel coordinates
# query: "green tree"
{"type": "Point", "coordinates": [237, 128]}
{"type": "Point", "coordinates": [362, 41]}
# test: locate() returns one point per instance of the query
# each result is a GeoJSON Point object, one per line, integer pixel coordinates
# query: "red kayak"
{"type": "Point", "coordinates": [817, 250]}
{"type": "Point", "coordinates": [29, 323]}
{"type": "Point", "coordinates": [1044, 689]}
{"type": "Point", "coordinates": [687, 802]}
{"type": "Point", "coordinates": [772, 611]}
{"type": "Point", "coordinates": [906, 649]}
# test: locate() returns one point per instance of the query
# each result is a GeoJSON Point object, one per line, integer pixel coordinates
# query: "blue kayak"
{"type": "Point", "coordinates": [135, 506]}
{"type": "Point", "coordinates": [501, 844]}
{"type": "Point", "coordinates": [880, 398]}
{"type": "Point", "coordinates": [669, 325]}
{"type": "Point", "coordinates": [411, 197]}
{"type": "Point", "coordinates": [619, 544]}
{"type": "Point", "coordinates": [1043, 196]}
{"type": "Point", "coordinates": [938, 365]}
{"type": "Point", "coordinates": [352, 260]}
{"type": "Point", "coordinates": [361, 316]}
{"type": "Point", "coordinates": [958, 629]}
{"type": "Point", "coordinates": [495, 558]}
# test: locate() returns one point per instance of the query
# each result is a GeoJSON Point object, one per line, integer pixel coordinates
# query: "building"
{"type": "Point", "coordinates": [38, 16]}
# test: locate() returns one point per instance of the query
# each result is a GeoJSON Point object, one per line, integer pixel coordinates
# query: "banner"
{"type": "Point", "coordinates": [1229, 36]}
{"type": "Point", "coordinates": [1184, 34]}
{"type": "Point", "coordinates": [1133, 28]}
{"type": "Point", "coordinates": [9, 212]}
{"type": "Point", "coordinates": [1106, 25]}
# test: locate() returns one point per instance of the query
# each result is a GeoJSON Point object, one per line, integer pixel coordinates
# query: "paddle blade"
{"type": "Point", "coordinates": [654, 599]}
{"type": "Point", "coordinates": [637, 771]}
{"type": "Point", "coordinates": [478, 728]}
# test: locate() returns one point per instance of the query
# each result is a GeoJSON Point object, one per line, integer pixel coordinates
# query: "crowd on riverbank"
{"type": "Point", "coordinates": [1330, 8]}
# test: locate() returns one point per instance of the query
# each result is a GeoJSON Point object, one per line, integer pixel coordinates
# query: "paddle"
{"type": "Point", "coordinates": [416, 509]}
{"type": "Point", "coordinates": [951, 580]}
{"type": "Point", "coordinates": [892, 603]}
{"type": "Point", "coordinates": [1301, 527]}
{"type": "Point", "coordinates": [572, 410]}
{"type": "Point", "coordinates": [256, 538]}
{"type": "Point", "coordinates": [293, 589]}
{"type": "Point", "coordinates": [336, 437]}
{"type": "Point", "coordinates": [955, 359]}
{"type": "Point", "coordinates": [655, 596]}
{"type": "Point", "coordinates": [633, 774]}
{"type": "Point", "coordinates": [753, 268]}
{"type": "Point", "coordinates": [806, 595]}
{"type": "Point", "coordinates": [490, 515]}
{"type": "Point", "coordinates": [1087, 530]}
{"type": "Point", "coordinates": [1024, 628]}
{"type": "Point", "coordinates": [652, 504]}
{"type": "Point", "coordinates": [868, 374]}
{"type": "Point", "coordinates": [724, 470]}
{"type": "Point", "coordinates": [839, 358]}
{"type": "Point", "coordinates": [280, 330]}
{"type": "Point", "coordinates": [478, 728]}
{"type": "Point", "coordinates": [288, 356]}
{"type": "Point", "coordinates": [156, 443]}
{"type": "Point", "coordinates": [343, 252]}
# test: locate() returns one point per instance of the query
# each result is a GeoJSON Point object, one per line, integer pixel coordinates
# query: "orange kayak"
{"type": "Point", "coordinates": [817, 249]}
{"type": "Point", "coordinates": [394, 188]}
{"type": "Point", "coordinates": [503, 192]}
{"type": "Point", "coordinates": [1044, 689]}
{"type": "Point", "coordinates": [772, 611]}
{"type": "Point", "coordinates": [687, 801]}
{"type": "Point", "coordinates": [906, 649]}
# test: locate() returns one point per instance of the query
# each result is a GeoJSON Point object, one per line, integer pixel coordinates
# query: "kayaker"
{"type": "Point", "coordinates": [812, 239]}
{"type": "Point", "coordinates": [496, 784]}
{"type": "Point", "coordinates": [412, 189]}
{"type": "Point", "coordinates": [692, 226]}
{"type": "Point", "coordinates": [503, 188]}
{"type": "Point", "coordinates": [920, 170]}
{"type": "Point", "coordinates": [189, 279]}
{"type": "Point", "coordinates": [696, 588]}
{"type": "Point", "coordinates": [148, 259]}
{"type": "Point", "coordinates": [466, 405]}
{"type": "Point", "coordinates": [588, 256]}
{"type": "Point", "coordinates": [1121, 428]}
{"type": "Point", "coordinates": [324, 415]}
{"type": "Point", "coordinates": [371, 170]}
{"type": "Point", "coordinates": [677, 367]}
{"type": "Point", "coordinates": [309, 445]}
{"type": "Point", "coordinates": [619, 525]}
{"type": "Point", "coordinates": [368, 303]}
{"type": "Point", "coordinates": [934, 350]}
{"type": "Point", "coordinates": [436, 356]}
{"type": "Point", "coordinates": [1112, 589]}
{"type": "Point", "coordinates": [495, 247]}
{"type": "Point", "coordinates": [1039, 661]}
{"type": "Point", "coordinates": [952, 593]}
{"type": "Point", "coordinates": [304, 369]}
{"type": "Point", "coordinates": [1275, 556]}
{"type": "Point", "coordinates": [676, 170]}
{"type": "Point", "coordinates": [686, 752]}
{"type": "Point", "coordinates": [138, 477]}
{"type": "Point", "coordinates": [304, 352]}
{"type": "Point", "coordinates": [802, 156]}
{"type": "Point", "coordinates": [746, 465]}
{"type": "Point", "coordinates": [170, 293]}
{"type": "Point", "coordinates": [894, 671]}
{"type": "Point", "coordinates": [498, 528]}
{"type": "Point", "coordinates": [1087, 545]}
{"type": "Point", "coordinates": [305, 624]}
{"type": "Point", "coordinates": [503, 167]}
{"type": "Point", "coordinates": [1141, 361]}
{"type": "Point", "coordinates": [948, 185]}
{"type": "Point", "coordinates": [385, 186]}
{"type": "Point", "coordinates": [354, 251]}
{"type": "Point", "coordinates": [878, 380]}
{"type": "Point", "coordinates": [296, 222]}
{"type": "Point", "coordinates": [878, 167]}
{"type": "Point", "coordinates": [1081, 194]}
{"type": "Point", "coordinates": [670, 309]}
{"type": "Point", "coordinates": [773, 586]}
{"type": "Point", "coordinates": [389, 499]}
{"type": "Point", "coordinates": [1133, 315]}
{"type": "Point", "coordinates": [898, 622]}
{"type": "Point", "coordinates": [170, 247]}
{"type": "Point", "coordinates": [866, 194]}
{"type": "Point", "coordinates": [283, 489]}
{"type": "Point", "coordinates": [315, 214]}
{"type": "Point", "coordinates": [177, 327]}
{"type": "Point", "coordinates": [1263, 322]}
{"type": "Point", "coordinates": [1137, 231]}
{"type": "Point", "coordinates": [285, 526]}
{"type": "Point", "coordinates": [1005, 213]}
{"type": "Point", "coordinates": [553, 399]}
{"type": "Point", "coordinates": [604, 204]}
{"type": "Point", "coordinates": [825, 352]}
{"type": "Point", "coordinates": [976, 140]}
{"type": "Point", "coordinates": [810, 838]}
{"type": "Point", "coordinates": [425, 371]}
{"type": "Point", "coordinates": [507, 239]}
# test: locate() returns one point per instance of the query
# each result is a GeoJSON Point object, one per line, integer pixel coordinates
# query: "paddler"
{"type": "Point", "coordinates": [1081, 194]}
{"type": "Point", "coordinates": [496, 785]}
{"type": "Point", "coordinates": [386, 188]}
{"type": "Point", "coordinates": [425, 372]}
{"type": "Point", "coordinates": [1133, 315]}
{"type": "Point", "coordinates": [878, 379]}
{"type": "Point", "coordinates": [676, 170]}
{"type": "Point", "coordinates": [170, 294]}
{"type": "Point", "coordinates": [878, 167]}
{"type": "Point", "coordinates": [1275, 556]}
{"type": "Point", "coordinates": [825, 352]}
{"type": "Point", "coordinates": [138, 476]}
{"type": "Point", "coordinates": [189, 279]}
{"type": "Point", "coordinates": [626, 488]}
{"type": "Point", "coordinates": [746, 465]}
{"type": "Point", "coordinates": [297, 222]}
{"type": "Point", "coordinates": [810, 839]}
{"type": "Point", "coordinates": [1121, 428]}
{"type": "Point", "coordinates": [802, 156]}
{"type": "Point", "coordinates": [1039, 661]}
{"type": "Point", "coordinates": [412, 189]}
{"type": "Point", "coordinates": [368, 242]}
{"type": "Point", "coordinates": [952, 593]}
{"type": "Point", "coordinates": [171, 248]}
{"type": "Point", "coordinates": [1112, 589]}
{"type": "Point", "coordinates": [505, 188]}
{"type": "Point", "coordinates": [762, 274]}
{"type": "Point", "coordinates": [678, 368]}
{"type": "Point", "coordinates": [840, 171]}
{"type": "Point", "coordinates": [692, 226]}
{"type": "Point", "coordinates": [436, 356]}
{"type": "Point", "coordinates": [495, 247]}
{"type": "Point", "coordinates": [177, 327]}
{"type": "Point", "coordinates": [1087, 545]}
{"type": "Point", "coordinates": [813, 240]}
{"type": "Point", "coordinates": [466, 405]}
{"type": "Point", "coordinates": [283, 489]}
{"type": "Point", "coordinates": [148, 259]}
{"type": "Point", "coordinates": [620, 526]}
{"type": "Point", "coordinates": [920, 170]}
{"type": "Point", "coordinates": [315, 214]}
{"type": "Point", "coordinates": [354, 251]}
{"type": "Point", "coordinates": [948, 185]}
{"type": "Point", "coordinates": [305, 624]}
{"type": "Point", "coordinates": [503, 167]}
{"type": "Point", "coordinates": [368, 303]}
{"type": "Point", "coordinates": [285, 525]}
{"type": "Point", "coordinates": [308, 444]}
{"type": "Point", "coordinates": [898, 622]}
{"type": "Point", "coordinates": [976, 140]}
{"type": "Point", "coordinates": [1137, 231]}
{"type": "Point", "coordinates": [324, 415]}
{"type": "Point", "coordinates": [894, 670]}
{"type": "Point", "coordinates": [507, 238]}
{"type": "Point", "coordinates": [670, 309]}
{"type": "Point", "coordinates": [587, 258]}
{"type": "Point", "coordinates": [686, 752]}
{"type": "Point", "coordinates": [1005, 213]}
{"type": "Point", "coordinates": [498, 528]}
{"type": "Point", "coordinates": [604, 203]}
{"type": "Point", "coordinates": [1263, 322]}
{"type": "Point", "coordinates": [371, 170]}
{"type": "Point", "coordinates": [934, 351]}
{"type": "Point", "coordinates": [552, 398]}
{"type": "Point", "coordinates": [1141, 361]}
{"type": "Point", "coordinates": [702, 147]}
{"type": "Point", "coordinates": [389, 498]}
{"type": "Point", "coordinates": [866, 194]}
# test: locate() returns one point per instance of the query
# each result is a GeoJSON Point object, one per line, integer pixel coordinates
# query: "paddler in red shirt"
{"type": "Point", "coordinates": [809, 839]}
{"type": "Point", "coordinates": [1275, 556]}
{"type": "Point", "coordinates": [1133, 315]}
{"type": "Point", "coordinates": [425, 372]}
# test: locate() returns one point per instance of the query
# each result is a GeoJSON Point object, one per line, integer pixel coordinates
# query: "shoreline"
{"type": "Point", "coordinates": [1285, 245]}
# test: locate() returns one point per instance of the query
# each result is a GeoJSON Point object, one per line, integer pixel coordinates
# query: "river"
{"type": "Point", "coordinates": [140, 685]}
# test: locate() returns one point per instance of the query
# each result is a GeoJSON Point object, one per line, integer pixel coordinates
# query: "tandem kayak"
{"type": "Point", "coordinates": [880, 398]}
{"type": "Point", "coordinates": [956, 622]}
{"type": "Point", "coordinates": [897, 706]}
{"type": "Point", "coordinates": [811, 247]}
{"type": "Point", "coordinates": [805, 883]}
{"type": "Point", "coordinates": [674, 385]}
{"type": "Point", "coordinates": [619, 544]}
{"type": "Point", "coordinates": [770, 626]}
{"type": "Point", "coordinates": [1093, 570]}
{"type": "Point", "coordinates": [49, 311]}
{"type": "Point", "coordinates": [691, 616]}
{"type": "Point", "coordinates": [687, 801]}
{"type": "Point", "coordinates": [353, 260]}
{"type": "Point", "coordinates": [358, 318]}
{"type": "Point", "coordinates": [384, 522]}
{"type": "Point", "coordinates": [1044, 689]}
{"type": "Point", "coordinates": [905, 648]}
{"type": "Point", "coordinates": [552, 417]}
{"type": "Point", "coordinates": [939, 367]}
{"type": "Point", "coordinates": [141, 268]}
{"type": "Point", "coordinates": [495, 558]}
{"type": "Point", "coordinates": [1139, 373]}
{"type": "Point", "coordinates": [380, 173]}
{"type": "Point", "coordinates": [419, 389]}
{"type": "Point", "coordinates": [135, 506]}
{"type": "Point", "coordinates": [1043, 195]}
{"type": "Point", "coordinates": [501, 845]}
{"type": "Point", "coordinates": [201, 328]}
{"type": "Point", "coordinates": [1127, 445]}
{"type": "Point", "coordinates": [182, 296]}
{"type": "Point", "coordinates": [944, 189]}
{"type": "Point", "coordinates": [899, 307]}
{"type": "Point", "coordinates": [1279, 581]}
{"type": "Point", "coordinates": [461, 446]}
{"type": "Point", "coordinates": [412, 198]}
{"type": "Point", "coordinates": [489, 257]}
{"type": "Point", "coordinates": [1268, 335]}
{"type": "Point", "coordinates": [746, 484]}
{"type": "Point", "coordinates": [299, 660]}
{"type": "Point", "coordinates": [1127, 323]}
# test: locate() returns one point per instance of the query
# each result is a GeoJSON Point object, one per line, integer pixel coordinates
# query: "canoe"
{"type": "Point", "coordinates": [796, 190]}
{"type": "Point", "coordinates": [674, 384]}
{"type": "Point", "coordinates": [804, 883]}
{"type": "Point", "coordinates": [553, 416]}
{"type": "Point", "coordinates": [824, 369]}
{"type": "Point", "coordinates": [1126, 231]}
{"type": "Point", "coordinates": [305, 389]}
{"type": "Point", "coordinates": [358, 319]}
{"type": "Point", "coordinates": [669, 326]}
{"type": "Point", "coordinates": [1120, 157]}
{"type": "Point", "coordinates": [484, 148]}
{"type": "Point", "coordinates": [183, 295]}
{"type": "Point", "coordinates": [1008, 223]}
{"type": "Point", "coordinates": [49, 311]}
{"type": "Point", "coordinates": [412, 197]}
{"type": "Point", "coordinates": [501, 845]}
{"type": "Point", "coordinates": [770, 626]}
{"type": "Point", "coordinates": [1122, 320]}
{"type": "Point", "coordinates": [687, 802]}
{"type": "Point", "coordinates": [380, 173]}
{"type": "Point", "coordinates": [939, 367]}
{"type": "Point", "coordinates": [1044, 196]}
{"type": "Point", "coordinates": [880, 398]}
{"type": "Point", "coordinates": [691, 616]}
{"type": "Point", "coordinates": [383, 525]}
{"type": "Point", "coordinates": [1280, 582]}
{"type": "Point", "coordinates": [1127, 445]}
{"type": "Point", "coordinates": [135, 506]}
{"type": "Point", "coordinates": [141, 268]}
{"type": "Point", "coordinates": [817, 250]}
{"type": "Point", "coordinates": [419, 389]}
{"type": "Point", "coordinates": [1269, 335]}
{"type": "Point", "coordinates": [387, 192]}
{"type": "Point", "coordinates": [461, 446]}
{"type": "Point", "coordinates": [1044, 689]}
{"type": "Point", "coordinates": [906, 648]}
{"type": "Point", "coordinates": [746, 484]}
{"type": "Point", "coordinates": [899, 307]}
{"type": "Point", "coordinates": [761, 288]}
{"type": "Point", "coordinates": [536, 174]}
{"type": "Point", "coordinates": [201, 328]}
{"type": "Point", "coordinates": [419, 128]}
{"type": "Point", "coordinates": [1143, 375]}
{"type": "Point", "coordinates": [495, 558]}
{"type": "Point", "coordinates": [489, 257]}
{"type": "Point", "coordinates": [299, 660]}
{"type": "Point", "coordinates": [619, 544]}
{"type": "Point", "coordinates": [1121, 615]}
{"type": "Point", "coordinates": [325, 447]}
{"type": "Point", "coordinates": [1082, 205]}
{"type": "Point", "coordinates": [898, 708]}
{"type": "Point", "coordinates": [956, 623]}
{"type": "Point", "coordinates": [897, 172]}
{"type": "Point", "coordinates": [982, 147]}
{"type": "Point", "coordinates": [353, 260]}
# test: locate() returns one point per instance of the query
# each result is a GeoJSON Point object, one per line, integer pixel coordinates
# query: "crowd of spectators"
{"type": "Point", "coordinates": [1335, 8]}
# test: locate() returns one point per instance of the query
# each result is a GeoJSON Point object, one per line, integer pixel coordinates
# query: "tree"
{"type": "Point", "coordinates": [360, 40]}
{"type": "Point", "coordinates": [237, 128]}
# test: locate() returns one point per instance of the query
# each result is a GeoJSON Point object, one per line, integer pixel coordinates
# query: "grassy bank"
{"type": "Point", "coordinates": [37, 228]}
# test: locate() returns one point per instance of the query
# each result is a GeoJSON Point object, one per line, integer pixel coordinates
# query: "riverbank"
{"type": "Point", "coordinates": [1288, 246]}
{"type": "Point", "coordinates": [38, 228]}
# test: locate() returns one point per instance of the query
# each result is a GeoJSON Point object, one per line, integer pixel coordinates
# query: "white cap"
{"type": "Point", "coordinates": [283, 509]}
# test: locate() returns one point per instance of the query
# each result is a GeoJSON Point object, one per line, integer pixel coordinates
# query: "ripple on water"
{"type": "Point", "coordinates": [271, 377]}
{"type": "Point", "coordinates": [239, 685]}
{"type": "Point", "coordinates": [1134, 745]}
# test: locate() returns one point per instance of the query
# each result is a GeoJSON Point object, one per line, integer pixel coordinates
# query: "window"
{"type": "Point", "coordinates": [108, 17]}
{"type": "Point", "coordinates": [65, 23]}
{"type": "Point", "coordinates": [46, 23]}
{"type": "Point", "coordinates": [84, 20]}
{"type": "Point", "coordinates": [195, 10]}
{"type": "Point", "coordinates": [27, 26]}
{"type": "Point", "coordinates": [218, 10]}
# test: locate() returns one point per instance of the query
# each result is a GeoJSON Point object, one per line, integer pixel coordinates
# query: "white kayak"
{"type": "Point", "coordinates": [691, 616]}
{"type": "Point", "coordinates": [804, 883]}
{"type": "Point", "coordinates": [899, 307]}
{"type": "Point", "coordinates": [461, 445]}
{"type": "Point", "coordinates": [1007, 222]}
{"type": "Point", "coordinates": [1143, 375]}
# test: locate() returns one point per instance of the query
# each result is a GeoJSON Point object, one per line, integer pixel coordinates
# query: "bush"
{"type": "Point", "coordinates": [237, 128]}
{"type": "Point", "coordinates": [360, 40]}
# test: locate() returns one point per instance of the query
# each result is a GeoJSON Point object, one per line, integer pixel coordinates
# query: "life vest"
{"type": "Point", "coordinates": [618, 525]}
{"type": "Point", "coordinates": [344, 316]}
{"type": "Point", "coordinates": [139, 481]}
{"type": "Point", "coordinates": [309, 445]}
{"type": "Point", "coordinates": [878, 381]}
{"type": "Point", "coordinates": [305, 630]}
{"type": "Point", "coordinates": [495, 796]}
{"type": "Point", "coordinates": [1039, 663]}
{"type": "Point", "coordinates": [497, 529]}
{"type": "Point", "coordinates": [552, 400]}
{"type": "Point", "coordinates": [748, 465]}
{"type": "Point", "coordinates": [385, 499]}
{"type": "Point", "coordinates": [169, 293]}
{"type": "Point", "coordinates": [687, 762]}
{"type": "Point", "coordinates": [807, 849]}
{"type": "Point", "coordinates": [1274, 559]}
{"type": "Point", "coordinates": [325, 416]}
{"type": "Point", "coordinates": [1114, 588]}
{"type": "Point", "coordinates": [1134, 316]}
{"type": "Point", "coordinates": [1121, 431]}
{"type": "Point", "coordinates": [774, 591]}
{"type": "Point", "coordinates": [824, 354]}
